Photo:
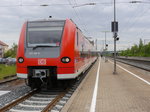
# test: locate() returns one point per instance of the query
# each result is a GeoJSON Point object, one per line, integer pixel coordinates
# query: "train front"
{"type": "Point", "coordinates": [39, 51]}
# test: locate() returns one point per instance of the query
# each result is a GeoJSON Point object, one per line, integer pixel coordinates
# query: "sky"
{"type": "Point", "coordinates": [93, 20]}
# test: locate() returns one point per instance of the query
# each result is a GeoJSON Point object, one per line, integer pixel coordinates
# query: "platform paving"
{"type": "Point", "coordinates": [116, 93]}
{"type": "Point", "coordinates": [121, 92]}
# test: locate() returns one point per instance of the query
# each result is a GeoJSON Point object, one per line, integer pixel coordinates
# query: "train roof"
{"type": "Point", "coordinates": [40, 20]}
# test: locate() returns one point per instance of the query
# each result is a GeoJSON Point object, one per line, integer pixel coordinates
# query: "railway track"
{"type": "Point", "coordinates": [9, 80]}
{"type": "Point", "coordinates": [43, 101]}
{"type": "Point", "coordinates": [142, 64]}
{"type": "Point", "coordinates": [36, 101]}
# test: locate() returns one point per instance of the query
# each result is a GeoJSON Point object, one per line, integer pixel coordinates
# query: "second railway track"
{"type": "Point", "coordinates": [142, 63]}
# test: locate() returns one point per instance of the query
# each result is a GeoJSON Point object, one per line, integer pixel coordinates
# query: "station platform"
{"type": "Point", "coordinates": [103, 91]}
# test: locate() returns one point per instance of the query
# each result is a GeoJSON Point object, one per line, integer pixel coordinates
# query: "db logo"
{"type": "Point", "coordinates": [41, 61]}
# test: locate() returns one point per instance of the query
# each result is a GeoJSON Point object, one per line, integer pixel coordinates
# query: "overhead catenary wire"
{"type": "Point", "coordinates": [81, 18]}
{"type": "Point", "coordinates": [127, 25]}
{"type": "Point", "coordinates": [138, 14]}
{"type": "Point", "coordinates": [56, 4]}
{"type": "Point", "coordinates": [77, 15]}
{"type": "Point", "coordinates": [130, 26]}
{"type": "Point", "coordinates": [144, 29]}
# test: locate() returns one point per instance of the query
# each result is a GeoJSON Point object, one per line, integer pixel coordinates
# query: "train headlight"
{"type": "Point", "coordinates": [20, 60]}
{"type": "Point", "coordinates": [65, 59]}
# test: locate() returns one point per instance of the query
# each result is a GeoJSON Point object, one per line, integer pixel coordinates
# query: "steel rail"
{"type": "Point", "coordinates": [19, 100]}
{"type": "Point", "coordinates": [8, 80]}
{"type": "Point", "coordinates": [53, 102]}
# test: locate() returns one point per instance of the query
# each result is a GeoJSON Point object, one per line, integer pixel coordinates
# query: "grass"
{"type": "Point", "coordinates": [7, 70]}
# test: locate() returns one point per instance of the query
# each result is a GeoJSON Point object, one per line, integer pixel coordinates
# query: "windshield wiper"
{"type": "Point", "coordinates": [43, 46]}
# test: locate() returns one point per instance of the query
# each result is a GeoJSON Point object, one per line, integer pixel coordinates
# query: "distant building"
{"type": "Point", "coordinates": [3, 47]}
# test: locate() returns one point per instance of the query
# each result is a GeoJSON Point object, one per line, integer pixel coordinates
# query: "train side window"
{"type": "Point", "coordinates": [77, 38]}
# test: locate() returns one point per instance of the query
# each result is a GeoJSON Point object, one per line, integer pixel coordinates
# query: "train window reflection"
{"type": "Point", "coordinates": [44, 35]}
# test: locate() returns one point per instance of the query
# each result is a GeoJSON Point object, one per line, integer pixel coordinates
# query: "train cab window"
{"type": "Point", "coordinates": [44, 34]}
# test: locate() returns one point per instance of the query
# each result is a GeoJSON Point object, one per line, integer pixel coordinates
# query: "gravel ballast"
{"type": "Point", "coordinates": [14, 94]}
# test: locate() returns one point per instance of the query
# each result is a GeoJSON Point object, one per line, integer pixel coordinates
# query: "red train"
{"type": "Point", "coordinates": [51, 51]}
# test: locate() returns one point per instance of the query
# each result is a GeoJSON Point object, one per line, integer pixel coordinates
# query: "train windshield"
{"type": "Point", "coordinates": [44, 34]}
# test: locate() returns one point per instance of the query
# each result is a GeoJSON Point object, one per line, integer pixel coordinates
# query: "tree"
{"type": "Point", "coordinates": [137, 50]}
{"type": "Point", "coordinates": [140, 44]}
{"type": "Point", "coordinates": [11, 52]}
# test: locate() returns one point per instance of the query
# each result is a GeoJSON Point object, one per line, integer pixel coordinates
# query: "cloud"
{"type": "Point", "coordinates": [133, 19]}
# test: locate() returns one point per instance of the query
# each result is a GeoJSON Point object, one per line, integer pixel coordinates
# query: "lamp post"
{"type": "Point", "coordinates": [105, 38]}
{"type": "Point", "coordinates": [115, 30]}
{"type": "Point", "coordinates": [96, 44]}
{"type": "Point", "coordinates": [105, 45]}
